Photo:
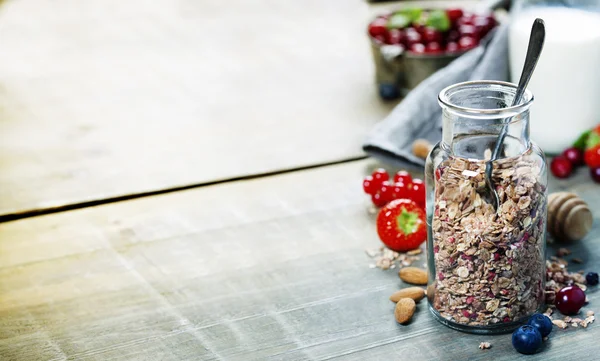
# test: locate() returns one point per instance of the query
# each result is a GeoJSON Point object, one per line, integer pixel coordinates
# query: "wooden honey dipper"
{"type": "Point", "coordinates": [569, 217]}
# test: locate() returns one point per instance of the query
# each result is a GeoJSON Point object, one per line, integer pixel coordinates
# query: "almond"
{"type": "Point", "coordinates": [415, 293]}
{"type": "Point", "coordinates": [405, 309]}
{"type": "Point", "coordinates": [414, 275]}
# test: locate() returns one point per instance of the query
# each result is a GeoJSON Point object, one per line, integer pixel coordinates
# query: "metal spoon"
{"type": "Point", "coordinates": [534, 49]}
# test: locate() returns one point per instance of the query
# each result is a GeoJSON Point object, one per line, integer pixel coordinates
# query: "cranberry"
{"type": "Point", "coordinates": [431, 35]}
{"type": "Point", "coordinates": [467, 42]}
{"type": "Point", "coordinates": [420, 28]}
{"type": "Point", "coordinates": [395, 37]}
{"type": "Point", "coordinates": [453, 35]}
{"type": "Point", "coordinates": [595, 173]}
{"type": "Point", "coordinates": [465, 20]}
{"type": "Point", "coordinates": [452, 47]}
{"type": "Point", "coordinates": [412, 37]}
{"type": "Point", "coordinates": [403, 177]}
{"type": "Point", "coordinates": [482, 25]}
{"type": "Point", "coordinates": [433, 47]}
{"type": "Point", "coordinates": [417, 48]}
{"type": "Point", "coordinates": [569, 300]}
{"type": "Point", "coordinates": [378, 27]}
{"type": "Point", "coordinates": [468, 30]}
{"type": "Point", "coordinates": [454, 14]}
{"type": "Point", "coordinates": [368, 186]}
{"type": "Point", "coordinates": [379, 175]}
{"type": "Point", "coordinates": [574, 155]}
{"type": "Point", "coordinates": [561, 167]}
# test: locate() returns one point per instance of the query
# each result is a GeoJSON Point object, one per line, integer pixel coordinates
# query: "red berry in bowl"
{"type": "Point", "coordinates": [417, 48]}
{"type": "Point", "coordinates": [569, 300]}
{"type": "Point", "coordinates": [465, 20]}
{"type": "Point", "coordinates": [379, 175]}
{"type": "Point", "coordinates": [378, 27]}
{"type": "Point", "coordinates": [452, 47]}
{"type": "Point", "coordinates": [369, 186]}
{"type": "Point", "coordinates": [467, 42]}
{"type": "Point", "coordinates": [595, 173]}
{"type": "Point", "coordinates": [468, 30]}
{"type": "Point", "coordinates": [377, 200]}
{"type": "Point", "coordinates": [433, 48]}
{"type": "Point", "coordinates": [431, 35]}
{"type": "Point", "coordinates": [412, 37]}
{"type": "Point", "coordinates": [394, 37]}
{"type": "Point", "coordinates": [454, 14]}
{"type": "Point", "coordinates": [379, 39]}
{"type": "Point", "coordinates": [403, 176]}
{"type": "Point", "coordinates": [453, 35]}
{"type": "Point", "coordinates": [561, 167]}
{"type": "Point", "coordinates": [574, 155]}
{"type": "Point", "coordinates": [417, 192]}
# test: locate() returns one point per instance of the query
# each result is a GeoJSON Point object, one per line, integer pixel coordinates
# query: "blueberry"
{"type": "Point", "coordinates": [542, 323]}
{"type": "Point", "coordinates": [591, 278]}
{"type": "Point", "coordinates": [527, 339]}
{"type": "Point", "coordinates": [388, 91]}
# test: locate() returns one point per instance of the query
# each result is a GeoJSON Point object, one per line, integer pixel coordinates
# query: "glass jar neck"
{"type": "Point", "coordinates": [476, 113]}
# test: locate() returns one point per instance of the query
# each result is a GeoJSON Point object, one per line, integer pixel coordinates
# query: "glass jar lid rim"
{"type": "Point", "coordinates": [444, 98]}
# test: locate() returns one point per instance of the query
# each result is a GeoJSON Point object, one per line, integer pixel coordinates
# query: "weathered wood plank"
{"type": "Point", "coordinates": [100, 99]}
{"type": "Point", "coordinates": [272, 268]}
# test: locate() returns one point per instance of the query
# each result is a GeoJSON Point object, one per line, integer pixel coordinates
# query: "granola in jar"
{"type": "Point", "coordinates": [489, 266]}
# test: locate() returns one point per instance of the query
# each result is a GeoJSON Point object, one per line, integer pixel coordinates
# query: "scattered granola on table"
{"type": "Point", "coordinates": [485, 345]}
{"type": "Point", "coordinates": [385, 258]}
{"type": "Point", "coordinates": [489, 265]}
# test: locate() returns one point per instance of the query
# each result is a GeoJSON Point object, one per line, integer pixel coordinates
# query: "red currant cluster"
{"type": "Point", "coordinates": [382, 190]}
{"type": "Point", "coordinates": [586, 151]}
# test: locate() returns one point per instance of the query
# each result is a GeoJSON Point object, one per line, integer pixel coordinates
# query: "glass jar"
{"type": "Point", "coordinates": [567, 72]}
{"type": "Point", "coordinates": [486, 267]}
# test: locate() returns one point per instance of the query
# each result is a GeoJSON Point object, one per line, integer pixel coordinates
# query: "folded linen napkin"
{"type": "Point", "coordinates": [419, 114]}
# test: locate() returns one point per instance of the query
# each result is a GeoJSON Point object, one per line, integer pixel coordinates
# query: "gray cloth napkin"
{"type": "Point", "coordinates": [419, 114]}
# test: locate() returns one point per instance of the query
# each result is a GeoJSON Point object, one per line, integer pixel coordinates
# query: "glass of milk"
{"type": "Point", "coordinates": [566, 82]}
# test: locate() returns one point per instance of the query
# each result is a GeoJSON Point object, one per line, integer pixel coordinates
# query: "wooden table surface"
{"type": "Point", "coordinates": [271, 268]}
{"type": "Point", "coordinates": [106, 100]}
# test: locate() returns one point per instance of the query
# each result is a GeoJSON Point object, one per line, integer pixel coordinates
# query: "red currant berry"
{"type": "Point", "coordinates": [368, 186]}
{"type": "Point", "coordinates": [400, 190]}
{"type": "Point", "coordinates": [454, 14]}
{"type": "Point", "coordinates": [595, 173]}
{"type": "Point", "coordinates": [417, 48]}
{"type": "Point", "coordinates": [378, 27]}
{"type": "Point", "coordinates": [561, 167]}
{"type": "Point", "coordinates": [574, 155]}
{"type": "Point", "coordinates": [467, 42]}
{"type": "Point", "coordinates": [386, 191]}
{"type": "Point", "coordinates": [468, 30]}
{"type": "Point", "coordinates": [380, 175]}
{"type": "Point", "coordinates": [569, 300]}
{"type": "Point", "coordinates": [403, 176]}
{"type": "Point", "coordinates": [417, 191]}
{"type": "Point", "coordinates": [453, 35]}
{"type": "Point", "coordinates": [377, 200]}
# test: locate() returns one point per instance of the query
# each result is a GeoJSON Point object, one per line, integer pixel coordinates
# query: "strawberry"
{"type": "Point", "coordinates": [401, 225]}
{"type": "Point", "coordinates": [592, 156]}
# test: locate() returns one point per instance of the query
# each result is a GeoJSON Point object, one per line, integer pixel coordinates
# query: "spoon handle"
{"type": "Point", "coordinates": [534, 50]}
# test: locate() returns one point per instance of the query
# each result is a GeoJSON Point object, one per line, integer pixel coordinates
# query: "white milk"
{"type": "Point", "coordinates": [566, 82]}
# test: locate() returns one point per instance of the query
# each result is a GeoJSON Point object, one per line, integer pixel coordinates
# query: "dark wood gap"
{"type": "Point", "coordinates": [70, 207]}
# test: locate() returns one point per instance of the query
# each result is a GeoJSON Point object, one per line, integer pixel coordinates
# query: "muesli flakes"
{"type": "Point", "coordinates": [489, 265]}
{"type": "Point", "coordinates": [485, 345]}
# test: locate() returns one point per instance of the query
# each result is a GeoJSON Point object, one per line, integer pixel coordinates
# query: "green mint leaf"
{"type": "Point", "coordinates": [413, 14]}
{"type": "Point", "coordinates": [438, 20]}
{"type": "Point", "coordinates": [398, 21]}
{"type": "Point", "coordinates": [580, 143]}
